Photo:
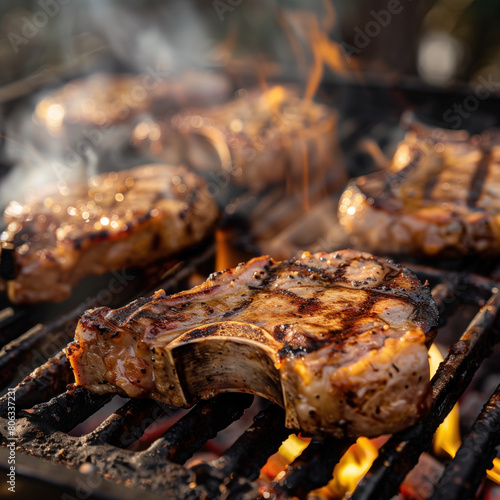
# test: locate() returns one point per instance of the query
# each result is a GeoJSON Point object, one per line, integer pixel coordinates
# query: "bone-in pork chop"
{"type": "Point", "coordinates": [339, 340]}
{"type": "Point", "coordinates": [116, 220]}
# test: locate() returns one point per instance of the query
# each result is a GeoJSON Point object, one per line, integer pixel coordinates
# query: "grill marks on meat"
{"type": "Point", "coordinates": [256, 140]}
{"type": "Point", "coordinates": [439, 198]}
{"type": "Point", "coordinates": [116, 220]}
{"type": "Point", "coordinates": [319, 334]}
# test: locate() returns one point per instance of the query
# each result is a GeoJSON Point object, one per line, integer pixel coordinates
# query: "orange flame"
{"type": "Point", "coordinates": [291, 448]}
{"type": "Point", "coordinates": [353, 466]}
{"type": "Point", "coordinates": [227, 252]}
{"type": "Point", "coordinates": [305, 175]}
{"type": "Point", "coordinates": [494, 473]}
{"type": "Point", "coordinates": [447, 438]}
{"type": "Point", "coordinates": [326, 52]}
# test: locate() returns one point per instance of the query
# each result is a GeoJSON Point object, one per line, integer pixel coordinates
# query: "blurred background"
{"type": "Point", "coordinates": [437, 42]}
{"type": "Point", "coordinates": [369, 60]}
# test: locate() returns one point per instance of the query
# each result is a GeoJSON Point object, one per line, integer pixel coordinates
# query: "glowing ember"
{"type": "Point", "coordinates": [51, 114]}
{"type": "Point", "coordinates": [14, 208]}
{"type": "Point", "coordinates": [274, 97]}
{"type": "Point", "coordinates": [401, 158]}
{"type": "Point", "coordinates": [55, 115]}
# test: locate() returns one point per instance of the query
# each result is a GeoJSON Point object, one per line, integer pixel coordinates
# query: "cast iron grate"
{"type": "Point", "coordinates": [47, 412]}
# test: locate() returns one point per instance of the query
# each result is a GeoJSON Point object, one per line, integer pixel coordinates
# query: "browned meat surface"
{"type": "Point", "coordinates": [100, 99]}
{"type": "Point", "coordinates": [339, 340]}
{"type": "Point", "coordinates": [440, 197]}
{"type": "Point", "coordinates": [117, 220]}
{"type": "Point", "coordinates": [255, 140]}
{"type": "Point", "coordinates": [105, 99]}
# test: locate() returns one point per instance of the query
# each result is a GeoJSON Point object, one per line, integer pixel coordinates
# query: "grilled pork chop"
{"type": "Point", "coordinates": [339, 340]}
{"type": "Point", "coordinates": [105, 99]}
{"type": "Point", "coordinates": [256, 140]}
{"type": "Point", "coordinates": [440, 197]}
{"type": "Point", "coordinates": [96, 100]}
{"type": "Point", "coordinates": [117, 220]}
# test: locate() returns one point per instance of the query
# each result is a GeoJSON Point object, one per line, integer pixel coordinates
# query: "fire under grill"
{"type": "Point", "coordinates": [47, 412]}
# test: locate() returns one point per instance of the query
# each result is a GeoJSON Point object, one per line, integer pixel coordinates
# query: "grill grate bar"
{"type": "Point", "coordinates": [122, 466]}
{"type": "Point", "coordinates": [127, 424]}
{"type": "Point", "coordinates": [467, 287]}
{"type": "Point", "coordinates": [400, 454]}
{"type": "Point", "coordinates": [447, 298]}
{"type": "Point", "coordinates": [44, 383]}
{"type": "Point", "coordinates": [251, 451]}
{"type": "Point", "coordinates": [14, 354]}
{"type": "Point", "coordinates": [44, 479]}
{"type": "Point", "coordinates": [462, 476]}
{"type": "Point", "coordinates": [5, 314]}
{"type": "Point", "coordinates": [313, 468]}
{"type": "Point", "coordinates": [231, 475]}
{"type": "Point", "coordinates": [66, 411]}
{"type": "Point", "coordinates": [187, 435]}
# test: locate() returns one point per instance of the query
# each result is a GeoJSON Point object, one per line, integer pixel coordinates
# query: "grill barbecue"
{"type": "Point", "coordinates": [47, 412]}
{"type": "Point", "coordinates": [106, 458]}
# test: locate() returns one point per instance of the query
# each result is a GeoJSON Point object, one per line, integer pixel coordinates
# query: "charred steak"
{"type": "Point", "coordinates": [117, 220]}
{"type": "Point", "coordinates": [440, 197]}
{"type": "Point", "coordinates": [339, 340]}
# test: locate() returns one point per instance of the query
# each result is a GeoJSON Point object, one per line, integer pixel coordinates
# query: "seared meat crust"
{"type": "Point", "coordinates": [339, 340]}
{"type": "Point", "coordinates": [440, 197]}
{"type": "Point", "coordinates": [258, 139]}
{"type": "Point", "coordinates": [117, 220]}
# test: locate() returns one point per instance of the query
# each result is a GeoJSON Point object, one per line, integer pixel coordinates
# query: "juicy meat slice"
{"type": "Point", "coordinates": [440, 197]}
{"type": "Point", "coordinates": [255, 140]}
{"type": "Point", "coordinates": [116, 220]}
{"type": "Point", "coordinates": [339, 340]}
